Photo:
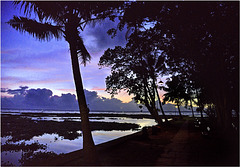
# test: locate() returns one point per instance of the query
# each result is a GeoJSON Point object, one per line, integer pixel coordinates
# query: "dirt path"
{"type": "Point", "coordinates": [177, 152]}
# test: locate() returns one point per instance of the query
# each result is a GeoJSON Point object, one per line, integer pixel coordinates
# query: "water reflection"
{"type": "Point", "coordinates": [141, 122]}
{"type": "Point", "coordinates": [11, 158]}
{"type": "Point", "coordinates": [58, 144]}
{"type": "Point", "coordinates": [103, 136]}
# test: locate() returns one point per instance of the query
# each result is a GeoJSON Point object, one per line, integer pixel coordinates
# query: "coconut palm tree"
{"type": "Point", "coordinates": [65, 19]}
{"type": "Point", "coordinates": [160, 103]}
{"type": "Point", "coordinates": [175, 93]}
{"type": "Point", "coordinates": [188, 100]}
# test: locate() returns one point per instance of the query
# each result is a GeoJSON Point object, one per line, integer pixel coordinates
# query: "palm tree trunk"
{"type": "Point", "coordinates": [179, 111]}
{"type": "Point", "coordinates": [160, 104]}
{"type": "Point", "coordinates": [201, 114]}
{"type": "Point", "coordinates": [192, 108]}
{"type": "Point", "coordinates": [200, 105]}
{"type": "Point", "coordinates": [88, 144]}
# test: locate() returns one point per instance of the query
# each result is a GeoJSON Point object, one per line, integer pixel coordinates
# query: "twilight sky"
{"type": "Point", "coordinates": [26, 61]}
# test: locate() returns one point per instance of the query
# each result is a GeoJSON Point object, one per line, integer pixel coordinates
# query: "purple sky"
{"type": "Point", "coordinates": [26, 61]}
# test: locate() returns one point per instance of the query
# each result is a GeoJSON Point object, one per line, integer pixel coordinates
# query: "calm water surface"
{"type": "Point", "coordinates": [58, 144]}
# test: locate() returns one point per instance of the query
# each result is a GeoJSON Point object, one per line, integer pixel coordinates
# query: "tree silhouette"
{"type": "Point", "coordinates": [203, 35]}
{"type": "Point", "coordinates": [188, 99]}
{"type": "Point", "coordinates": [175, 93]}
{"type": "Point", "coordinates": [189, 96]}
{"type": "Point", "coordinates": [160, 105]}
{"type": "Point", "coordinates": [66, 19]}
{"type": "Point", "coordinates": [135, 68]}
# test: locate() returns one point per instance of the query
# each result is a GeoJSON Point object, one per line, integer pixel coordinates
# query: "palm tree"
{"type": "Point", "coordinates": [65, 19]}
{"type": "Point", "coordinates": [175, 93]}
{"type": "Point", "coordinates": [160, 104]}
{"type": "Point", "coordinates": [189, 98]}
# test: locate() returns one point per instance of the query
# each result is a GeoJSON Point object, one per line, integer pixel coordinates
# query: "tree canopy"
{"type": "Point", "coordinates": [135, 68]}
{"type": "Point", "coordinates": [201, 41]}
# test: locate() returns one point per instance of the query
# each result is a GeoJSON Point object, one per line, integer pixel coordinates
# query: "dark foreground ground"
{"type": "Point", "coordinates": [179, 143]}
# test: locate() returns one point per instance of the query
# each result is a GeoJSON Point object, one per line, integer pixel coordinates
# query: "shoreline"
{"type": "Point", "coordinates": [158, 147]}
{"type": "Point", "coordinates": [178, 143]}
{"type": "Point", "coordinates": [16, 129]}
{"type": "Point", "coordinates": [65, 159]}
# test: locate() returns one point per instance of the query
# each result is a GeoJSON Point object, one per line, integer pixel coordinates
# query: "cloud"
{"type": "Point", "coordinates": [38, 97]}
{"type": "Point", "coordinates": [68, 90]}
{"type": "Point", "coordinates": [98, 88]}
{"type": "Point", "coordinates": [96, 38]}
{"type": "Point", "coordinates": [20, 91]}
{"type": "Point", "coordinates": [32, 69]}
{"type": "Point", "coordinates": [36, 82]}
{"type": "Point", "coordinates": [10, 51]}
{"type": "Point", "coordinates": [172, 107]}
{"type": "Point", "coordinates": [25, 98]}
{"type": "Point", "coordinates": [169, 107]}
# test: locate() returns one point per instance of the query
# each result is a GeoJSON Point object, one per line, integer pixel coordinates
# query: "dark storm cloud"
{"type": "Point", "coordinates": [64, 102]}
{"type": "Point", "coordinates": [25, 98]}
{"type": "Point", "coordinates": [15, 91]}
{"type": "Point", "coordinates": [38, 97]}
{"type": "Point", "coordinates": [97, 39]}
{"type": "Point", "coordinates": [35, 99]}
{"type": "Point", "coordinates": [101, 103]}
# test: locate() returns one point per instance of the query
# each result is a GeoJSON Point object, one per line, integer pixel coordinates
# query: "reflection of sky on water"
{"type": "Point", "coordinates": [58, 144]}
{"type": "Point", "coordinates": [104, 136]}
{"type": "Point", "coordinates": [11, 157]}
{"type": "Point", "coordinates": [4, 139]}
{"type": "Point", "coordinates": [142, 122]}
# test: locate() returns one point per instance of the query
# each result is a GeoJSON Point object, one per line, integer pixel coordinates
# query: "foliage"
{"type": "Point", "coordinates": [56, 19]}
{"type": "Point", "coordinates": [202, 46]}
{"type": "Point", "coordinates": [135, 68]}
{"type": "Point", "coordinates": [175, 91]}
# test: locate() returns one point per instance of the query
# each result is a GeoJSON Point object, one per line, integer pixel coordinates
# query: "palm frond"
{"type": "Point", "coordinates": [41, 31]}
{"type": "Point", "coordinates": [43, 9]}
{"type": "Point", "coordinates": [82, 51]}
{"type": "Point", "coordinates": [128, 33]}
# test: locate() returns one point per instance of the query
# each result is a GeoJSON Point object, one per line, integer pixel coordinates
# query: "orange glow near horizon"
{"type": "Point", "coordinates": [123, 96]}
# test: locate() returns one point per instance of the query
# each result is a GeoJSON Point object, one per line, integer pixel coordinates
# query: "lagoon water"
{"type": "Point", "coordinates": [18, 112]}
{"type": "Point", "coordinates": [58, 144]}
